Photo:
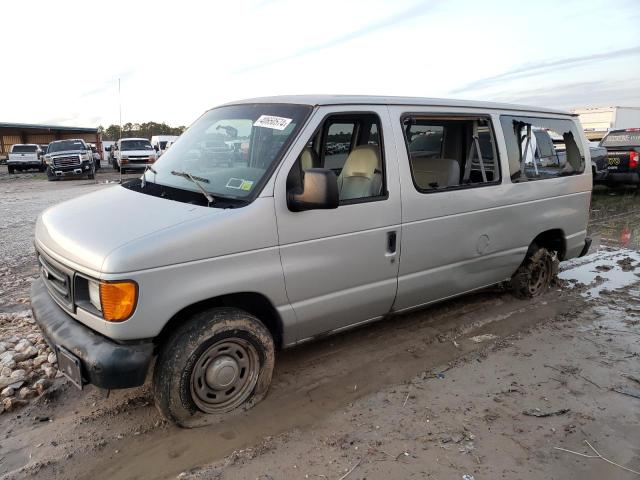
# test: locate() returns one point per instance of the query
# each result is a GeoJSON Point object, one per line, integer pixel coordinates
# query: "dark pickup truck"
{"type": "Point", "coordinates": [69, 157]}
{"type": "Point", "coordinates": [623, 157]}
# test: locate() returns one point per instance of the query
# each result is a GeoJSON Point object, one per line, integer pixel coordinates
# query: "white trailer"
{"type": "Point", "coordinates": [597, 121]}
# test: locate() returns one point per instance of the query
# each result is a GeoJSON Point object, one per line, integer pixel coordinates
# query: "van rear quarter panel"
{"type": "Point", "coordinates": [444, 248]}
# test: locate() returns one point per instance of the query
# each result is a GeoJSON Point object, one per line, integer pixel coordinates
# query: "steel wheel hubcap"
{"type": "Point", "coordinates": [224, 375]}
{"type": "Point", "coordinates": [539, 276]}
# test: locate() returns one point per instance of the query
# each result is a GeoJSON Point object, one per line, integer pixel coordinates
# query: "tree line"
{"type": "Point", "coordinates": [141, 130]}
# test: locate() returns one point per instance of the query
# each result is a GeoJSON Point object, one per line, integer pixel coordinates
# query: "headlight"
{"type": "Point", "coordinates": [118, 300]}
{"type": "Point", "coordinates": [94, 294]}
{"type": "Point", "coordinates": [114, 301]}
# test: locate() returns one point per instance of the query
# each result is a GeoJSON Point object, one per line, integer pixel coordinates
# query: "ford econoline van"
{"type": "Point", "coordinates": [336, 211]}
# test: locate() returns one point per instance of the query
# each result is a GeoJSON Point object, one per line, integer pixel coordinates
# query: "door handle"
{"type": "Point", "coordinates": [391, 243]}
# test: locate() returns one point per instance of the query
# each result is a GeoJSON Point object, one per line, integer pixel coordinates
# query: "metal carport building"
{"type": "Point", "coordinates": [12, 133]}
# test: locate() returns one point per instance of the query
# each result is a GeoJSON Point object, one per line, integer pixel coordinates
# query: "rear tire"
{"type": "Point", "coordinates": [534, 276]}
{"type": "Point", "coordinates": [217, 363]}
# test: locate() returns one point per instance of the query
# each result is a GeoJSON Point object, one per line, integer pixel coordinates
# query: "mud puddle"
{"type": "Point", "coordinates": [310, 383]}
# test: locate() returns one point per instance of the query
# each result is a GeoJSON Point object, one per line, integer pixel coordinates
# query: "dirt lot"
{"type": "Point", "coordinates": [485, 385]}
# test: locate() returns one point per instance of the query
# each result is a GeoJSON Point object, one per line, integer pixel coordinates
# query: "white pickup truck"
{"type": "Point", "coordinates": [25, 156]}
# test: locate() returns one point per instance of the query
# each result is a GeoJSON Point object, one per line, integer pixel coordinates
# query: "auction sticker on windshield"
{"type": "Point", "coordinates": [270, 121]}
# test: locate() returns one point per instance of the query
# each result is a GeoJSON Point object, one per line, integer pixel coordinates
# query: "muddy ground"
{"type": "Point", "coordinates": [485, 385]}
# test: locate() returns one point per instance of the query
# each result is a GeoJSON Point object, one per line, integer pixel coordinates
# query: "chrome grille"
{"type": "Point", "coordinates": [57, 281]}
{"type": "Point", "coordinates": [67, 161]}
{"type": "Point", "coordinates": [138, 159]}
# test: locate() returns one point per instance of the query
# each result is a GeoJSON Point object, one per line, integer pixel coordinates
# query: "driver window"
{"type": "Point", "coordinates": [350, 146]}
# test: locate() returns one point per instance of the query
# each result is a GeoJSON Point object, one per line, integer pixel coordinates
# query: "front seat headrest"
{"type": "Point", "coordinates": [363, 161]}
{"type": "Point", "coordinates": [308, 158]}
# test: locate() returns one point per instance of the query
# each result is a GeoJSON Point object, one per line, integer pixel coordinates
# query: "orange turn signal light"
{"type": "Point", "coordinates": [118, 300]}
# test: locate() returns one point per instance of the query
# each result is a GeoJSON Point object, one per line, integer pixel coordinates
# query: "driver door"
{"type": "Point", "coordinates": [341, 265]}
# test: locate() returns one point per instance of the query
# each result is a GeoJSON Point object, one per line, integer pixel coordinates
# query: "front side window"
{"type": "Point", "coordinates": [230, 151]}
{"type": "Point", "coordinates": [542, 148]}
{"type": "Point", "coordinates": [338, 144]}
{"type": "Point", "coordinates": [448, 152]}
{"type": "Point", "coordinates": [350, 146]}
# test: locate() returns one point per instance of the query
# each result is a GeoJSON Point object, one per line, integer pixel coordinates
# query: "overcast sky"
{"type": "Point", "coordinates": [62, 59]}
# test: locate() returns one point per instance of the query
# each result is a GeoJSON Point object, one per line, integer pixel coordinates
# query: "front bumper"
{"type": "Point", "coordinates": [82, 169]}
{"type": "Point", "coordinates": [136, 166]}
{"type": "Point", "coordinates": [23, 164]}
{"type": "Point", "coordinates": [104, 363]}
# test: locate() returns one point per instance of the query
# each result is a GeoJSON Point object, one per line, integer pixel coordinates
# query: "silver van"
{"type": "Point", "coordinates": [207, 268]}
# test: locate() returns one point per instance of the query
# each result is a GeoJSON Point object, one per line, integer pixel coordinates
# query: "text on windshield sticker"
{"type": "Point", "coordinates": [269, 121]}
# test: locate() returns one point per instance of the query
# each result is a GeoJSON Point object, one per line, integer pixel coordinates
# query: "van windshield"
{"type": "Point", "coordinates": [136, 145]}
{"type": "Point", "coordinates": [230, 150]}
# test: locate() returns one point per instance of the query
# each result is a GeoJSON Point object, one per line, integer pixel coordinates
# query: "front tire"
{"type": "Point", "coordinates": [534, 276]}
{"type": "Point", "coordinates": [10, 168]}
{"type": "Point", "coordinates": [218, 362]}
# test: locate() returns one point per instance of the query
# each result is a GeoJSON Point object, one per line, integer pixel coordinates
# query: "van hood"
{"type": "Point", "coordinates": [118, 231]}
{"type": "Point", "coordinates": [86, 229]}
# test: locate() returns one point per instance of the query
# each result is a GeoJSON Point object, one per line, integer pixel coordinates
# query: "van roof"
{"type": "Point", "coordinates": [317, 100]}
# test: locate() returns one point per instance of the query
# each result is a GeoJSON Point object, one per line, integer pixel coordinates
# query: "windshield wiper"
{"type": "Point", "coordinates": [197, 181]}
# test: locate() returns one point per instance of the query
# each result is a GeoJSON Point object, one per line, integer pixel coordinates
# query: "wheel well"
{"type": "Point", "coordinates": [254, 303]}
{"type": "Point", "coordinates": [553, 240]}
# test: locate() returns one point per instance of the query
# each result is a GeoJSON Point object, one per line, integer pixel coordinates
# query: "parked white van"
{"type": "Point", "coordinates": [133, 154]}
{"type": "Point", "coordinates": [208, 268]}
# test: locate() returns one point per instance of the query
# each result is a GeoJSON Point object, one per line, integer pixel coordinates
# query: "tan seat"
{"type": "Point", "coordinates": [361, 175]}
{"type": "Point", "coordinates": [428, 172]}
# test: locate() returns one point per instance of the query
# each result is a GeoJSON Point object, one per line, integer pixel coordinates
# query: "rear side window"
{"type": "Point", "coordinates": [24, 149]}
{"type": "Point", "coordinates": [542, 148]}
{"type": "Point", "coordinates": [621, 139]}
{"type": "Point", "coordinates": [449, 152]}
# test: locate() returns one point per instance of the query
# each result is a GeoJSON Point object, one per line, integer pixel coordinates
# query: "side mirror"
{"type": "Point", "coordinates": [319, 191]}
